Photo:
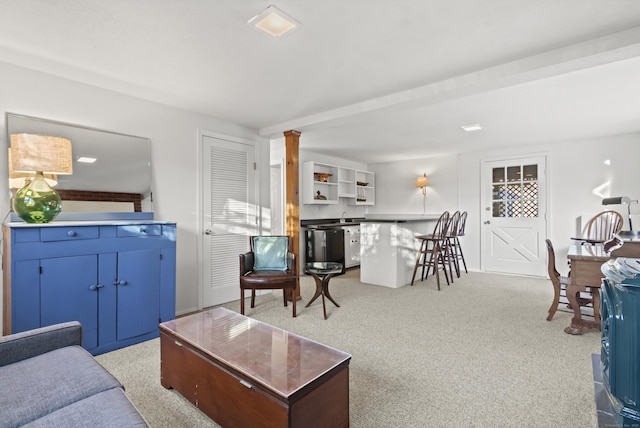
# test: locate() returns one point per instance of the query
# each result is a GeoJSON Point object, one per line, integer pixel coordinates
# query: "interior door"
{"type": "Point", "coordinates": [514, 221]}
{"type": "Point", "coordinates": [229, 215]}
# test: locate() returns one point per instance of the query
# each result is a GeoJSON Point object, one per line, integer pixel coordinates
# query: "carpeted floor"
{"type": "Point", "coordinates": [478, 353]}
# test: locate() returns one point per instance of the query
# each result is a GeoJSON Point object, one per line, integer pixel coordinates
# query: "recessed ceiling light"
{"type": "Point", "coordinates": [85, 159]}
{"type": "Point", "coordinates": [274, 22]}
{"type": "Point", "coordinates": [471, 128]}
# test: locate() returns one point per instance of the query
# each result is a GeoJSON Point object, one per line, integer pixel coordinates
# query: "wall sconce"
{"type": "Point", "coordinates": [623, 200]}
{"type": "Point", "coordinates": [37, 202]}
{"type": "Point", "coordinates": [421, 183]}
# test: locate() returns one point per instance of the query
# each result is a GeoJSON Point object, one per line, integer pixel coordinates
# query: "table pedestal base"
{"type": "Point", "coordinates": [322, 289]}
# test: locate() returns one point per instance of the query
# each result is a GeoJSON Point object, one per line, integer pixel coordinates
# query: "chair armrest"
{"type": "Point", "coordinates": [246, 263]}
{"type": "Point", "coordinates": [291, 263]}
{"type": "Point", "coordinates": [20, 346]}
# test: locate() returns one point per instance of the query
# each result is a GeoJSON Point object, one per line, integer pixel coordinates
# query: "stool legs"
{"type": "Point", "coordinates": [436, 258]}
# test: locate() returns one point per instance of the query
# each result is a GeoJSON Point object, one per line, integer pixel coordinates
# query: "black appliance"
{"type": "Point", "coordinates": [325, 245]}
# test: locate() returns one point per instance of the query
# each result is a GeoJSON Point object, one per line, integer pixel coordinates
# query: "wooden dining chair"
{"type": "Point", "coordinates": [431, 253]}
{"type": "Point", "coordinates": [560, 284]}
{"type": "Point", "coordinates": [603, 227]}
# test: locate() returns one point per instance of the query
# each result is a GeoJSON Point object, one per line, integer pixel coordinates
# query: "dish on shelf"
{"type": "Point", "coordinates": [322, 176]}
{"type": "Point", "coordinates": [362, 183]}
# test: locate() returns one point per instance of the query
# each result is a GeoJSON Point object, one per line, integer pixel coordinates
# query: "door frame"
{"type": "Point", "coordinates": [486, 215]}
{"type": "Point", "coordinates": [200, 198]}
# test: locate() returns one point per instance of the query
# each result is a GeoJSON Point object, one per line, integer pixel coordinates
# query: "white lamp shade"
{"type": "Point", "coordinates": [30, 153]}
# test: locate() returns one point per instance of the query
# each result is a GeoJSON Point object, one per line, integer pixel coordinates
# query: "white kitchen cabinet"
{"type": "Point", "coordinates": [320, 183]}
{"type": "Point", "coordinates": [365, 188]}
{"type": "Point", "coordinates": [346, 183]}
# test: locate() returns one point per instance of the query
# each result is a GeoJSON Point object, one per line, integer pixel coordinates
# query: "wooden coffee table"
{"type": "Point", "coordinates": [246, 373]}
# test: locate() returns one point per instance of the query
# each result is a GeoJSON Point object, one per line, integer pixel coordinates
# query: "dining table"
{"type": "Point", "coordinates": [586, 276]}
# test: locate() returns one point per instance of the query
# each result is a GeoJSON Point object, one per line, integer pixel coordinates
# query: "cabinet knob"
{"type": "Point", "coordinates": [143, 230]}
{"type": "Point", "coordinates": [121, 282]}
{"type": "Point", "coordinates": [95, 287]}
{"type": "Point", "coordinates": [71, 233]}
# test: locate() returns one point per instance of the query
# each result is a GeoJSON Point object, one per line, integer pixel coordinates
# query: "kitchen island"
{"type": "Point", "coordinates": [388, 247]}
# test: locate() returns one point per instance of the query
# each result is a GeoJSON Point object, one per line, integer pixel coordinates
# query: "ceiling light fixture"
{"type": "Point", "coordinates": [86, 159]}
{"type": "Point", "coordinates": [471, 128]}
{"type": "Point", "coordinates": [274, 22]}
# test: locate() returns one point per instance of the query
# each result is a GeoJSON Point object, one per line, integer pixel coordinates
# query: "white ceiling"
{"type": "Point", "coordinates": [366, 80]}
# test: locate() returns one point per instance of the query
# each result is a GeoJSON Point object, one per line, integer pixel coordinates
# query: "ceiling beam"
{"type": "Point", "coordinates": [592, 53]}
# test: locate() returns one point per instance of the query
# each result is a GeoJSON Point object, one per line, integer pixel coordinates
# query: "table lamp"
{"type": "Point", "coordinates": [37, 202]}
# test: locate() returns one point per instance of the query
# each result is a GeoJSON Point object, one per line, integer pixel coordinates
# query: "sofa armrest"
{"type": "Point", "coordinates": [20, 346]}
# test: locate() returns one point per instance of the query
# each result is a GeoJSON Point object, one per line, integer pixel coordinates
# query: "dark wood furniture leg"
{"type": "Point", "coordinates": [578, 324]}
{"type": "Point", "coordinates": [322, 289]}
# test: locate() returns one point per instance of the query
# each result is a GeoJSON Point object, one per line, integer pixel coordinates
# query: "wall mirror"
{"type": "Point", "coordinates": [118, 181]}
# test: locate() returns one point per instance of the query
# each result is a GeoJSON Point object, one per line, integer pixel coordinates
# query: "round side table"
{"type": "Point", "coordinates": [322, 273]}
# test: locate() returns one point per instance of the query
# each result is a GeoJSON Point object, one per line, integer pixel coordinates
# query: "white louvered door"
{"type": "Point", "coordinates": [229, 215]}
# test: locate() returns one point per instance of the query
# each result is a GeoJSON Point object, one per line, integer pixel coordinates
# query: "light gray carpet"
{"type": "Point", "coordinates": [478, 353]}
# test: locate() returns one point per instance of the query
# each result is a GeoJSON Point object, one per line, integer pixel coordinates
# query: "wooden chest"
{"type": "Point", "coordinates": [245, 373]}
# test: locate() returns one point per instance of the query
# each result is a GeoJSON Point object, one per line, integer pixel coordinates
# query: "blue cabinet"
{"type": "Point", "coordinates": [117, 279]}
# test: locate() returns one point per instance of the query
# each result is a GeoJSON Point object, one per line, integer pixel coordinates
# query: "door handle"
{"type": "Point", "coordinates": [208, 232]}
{"type": "Point", "coordinates": [487, 222]}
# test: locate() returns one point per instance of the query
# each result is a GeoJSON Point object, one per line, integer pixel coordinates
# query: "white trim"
{"type": "Point", "coordinates": [199, 197]}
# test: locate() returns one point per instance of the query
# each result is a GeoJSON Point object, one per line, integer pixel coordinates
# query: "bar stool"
{"type": "Point", "coordinates": [450, 250]}
{"type": "Point", "coordinates": [431, 253]}
{"type": "Point", "coordinates": [462, 225]}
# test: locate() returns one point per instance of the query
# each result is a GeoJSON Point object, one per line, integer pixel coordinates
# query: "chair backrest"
{"type": "Point", "coordinates": [440, 229]}
{"type": "Point", "coordinates": [551, 263]}
{"type": "Point", "coordinates": [604, 225]}
{"type": "Point", "coordinates": [269, 252]}
{"type": "Point", "coordinates": [454, 224]}
{"type": "Point", "coordinates": [462, 224]}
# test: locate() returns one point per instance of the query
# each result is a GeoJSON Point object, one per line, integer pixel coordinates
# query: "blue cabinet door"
{"type": "Point", "coordinates": [138, 291]}
{"type": "Point", "coordinates": [69, 292]}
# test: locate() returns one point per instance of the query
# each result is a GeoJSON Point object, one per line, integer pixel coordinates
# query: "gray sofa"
{"type": "Point", "coordinates": [48, 380]}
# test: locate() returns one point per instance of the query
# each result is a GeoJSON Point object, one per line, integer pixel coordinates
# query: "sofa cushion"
{"type": "Point", "coordinates": [35, 387]}
{"type": "Point", "coordinates": [106, 409]}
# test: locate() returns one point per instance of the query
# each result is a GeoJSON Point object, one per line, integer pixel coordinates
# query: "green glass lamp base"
{"type": "Point", "coordinates": [36, 202]}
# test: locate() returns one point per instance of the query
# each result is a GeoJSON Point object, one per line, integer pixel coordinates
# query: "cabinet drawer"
{"type": "Point", "coordinates": [138, 230]}
{"type": "Point", "coordinates": [69, 233]}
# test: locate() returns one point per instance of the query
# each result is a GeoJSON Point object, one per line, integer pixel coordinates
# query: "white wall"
{"type": "Point", "coordinates": [174, 148]}
{"type": "Point", "coordinates": [575, 170]}
{"type": "Point", "coordinates": [396, 191]}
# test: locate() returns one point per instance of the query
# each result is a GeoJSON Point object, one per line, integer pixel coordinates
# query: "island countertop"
{"type": "Point", "coordinates": [388, 247]}
{"type": "Point", "coordinates": [398, 218]}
